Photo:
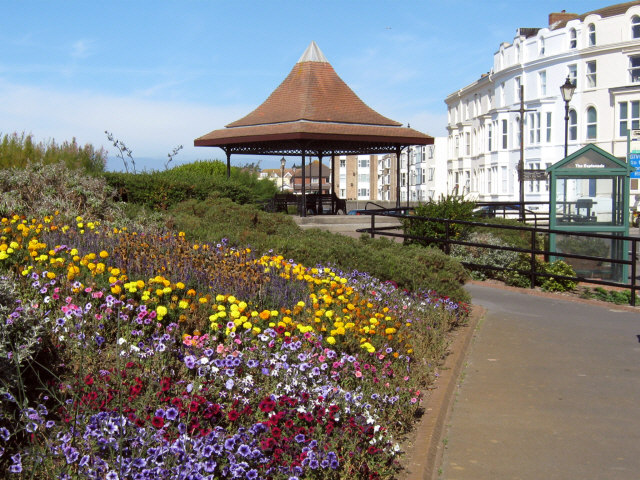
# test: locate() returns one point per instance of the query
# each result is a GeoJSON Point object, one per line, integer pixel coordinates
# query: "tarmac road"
{"type": "Point", "coordinates": [551, 390]}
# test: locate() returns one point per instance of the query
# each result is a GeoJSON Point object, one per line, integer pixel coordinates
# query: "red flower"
{"type": "Point", "coordinates": [233, 415]}
{"type": "Point", "coordinates": [88, 380]}
{"type": "Point", "coordinates": [267, 405]}
{"type": "Point", "coordinates": [267, 444]}
{"type": "Point", "coordinates": [165, 384]}
{"type": "Point", "coordinates": [276, 432]}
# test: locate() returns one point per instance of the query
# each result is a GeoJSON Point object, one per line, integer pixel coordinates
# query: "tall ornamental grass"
{"type": "Point", "coordinates": [20, 151]}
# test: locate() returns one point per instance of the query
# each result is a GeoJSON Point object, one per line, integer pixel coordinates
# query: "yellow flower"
{"type": "Point", "coordinates": [180, 285]}
{"type": "Point", "coordinates": [161, 310]}
{"type": "Point", "coordinates": [183, 304]}
{"type": "Point", "coordinates": [104, 254]}
{"type": "Point", "coordinates": [331, 340]}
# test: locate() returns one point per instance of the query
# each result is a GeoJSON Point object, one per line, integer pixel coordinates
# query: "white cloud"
{"type": "Point", "coordinates": [149, 128]}
{"type": "Point", "coordinates": [81, 48]}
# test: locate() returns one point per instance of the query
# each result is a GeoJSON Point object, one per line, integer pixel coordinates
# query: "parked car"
{"type": "Point", "coordinates": [501, 211]}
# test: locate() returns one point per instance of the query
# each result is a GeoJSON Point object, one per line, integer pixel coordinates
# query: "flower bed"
{"type": "Point", "coordinates": [127, 355]}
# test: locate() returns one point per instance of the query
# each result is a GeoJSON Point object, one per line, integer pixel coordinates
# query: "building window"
{"type": "Point", "coordinates": [431, 173]}
{"type": "Point", "coordinates": [629, 116]}
{"type": "Point", "coordinates": [573, 74]}
{"type": "Point", "coordinates": [363, 192]}
{"type": "Point", "coordinates": [505, 134]}
{"type": "Point", "coordinates": [489, 138]}
{"type": "Point", "coordinates": [592, 34]}
{"type": "Point", "coordinates": [505, 180]}
{"type": "Point", "coordinates": [467, 143]}
{"type": "Point", "coordinates": [541, 46]}
{"type": "Point", "coordinates": [430, 150]}
{"type": "Point", "coordinates": [634, 68]}
{"type": "Point", "coordinates": [534, 128]}
{"type": "Point", "coordinates": [635, 26]}
{"type": "Point", "coordinates": [343, 162]}
{"type": "Point", "coordinates": [548, 127]}
{"type": "Point", "coordinates": [573, 38]}
{"type": "Point", "coordinates": [591, 74]}
{"type": "Point", "coordinates": [542, 80]}
{"type": "Point", "coordinates": [363, 177]}
{"type": "Point", "coordinates": [364, 163]}
{"type": "Point", "coordinates": [518, 83]}
{"type": "Point", "coordinates": [502, 90]}
{"type": "Point", "coordinates": [457, 143]}
{"type": "Point", "coordinates": [573, 125]}
{"type": "Point", "coordinates": [592, 123]}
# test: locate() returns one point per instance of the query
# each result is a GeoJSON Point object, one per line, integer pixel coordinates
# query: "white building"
{"type": "Point", "coordinates": [599, 51]}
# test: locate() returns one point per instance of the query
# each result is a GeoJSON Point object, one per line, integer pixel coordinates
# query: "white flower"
{"type": "Point", "coordinates": [121, 341]}
{"type": "Point", "coordinates": [204, 361]}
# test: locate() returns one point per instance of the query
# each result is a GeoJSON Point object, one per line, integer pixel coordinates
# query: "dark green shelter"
{"type": "Point", "coordinates": [589, 192]}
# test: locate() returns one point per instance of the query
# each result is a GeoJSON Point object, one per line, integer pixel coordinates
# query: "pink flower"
{"type": "Point", "coordinates": [358, 374]}
{"type": "Point", "coordinates": [220, 348]}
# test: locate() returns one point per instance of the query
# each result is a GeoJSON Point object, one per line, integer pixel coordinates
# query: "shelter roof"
{"type": "Point", "coordinates": [315, 110]}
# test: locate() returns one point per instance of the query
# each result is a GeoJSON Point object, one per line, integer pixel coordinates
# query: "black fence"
{"type": "Point", "coordinates": [538, 238]}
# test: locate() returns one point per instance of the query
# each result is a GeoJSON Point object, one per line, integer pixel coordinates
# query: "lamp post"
{"type": "Point", "coordinates": [282, 162]}
{"type": "Point", "coordinates": [567, 90]}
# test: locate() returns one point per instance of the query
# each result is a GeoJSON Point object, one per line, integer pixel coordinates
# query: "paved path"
{"type": "Point", "coordinates": [551, 390]}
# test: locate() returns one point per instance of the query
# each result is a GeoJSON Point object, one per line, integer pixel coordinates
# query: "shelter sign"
{"type": "Point", "coordinates": [634, 162]}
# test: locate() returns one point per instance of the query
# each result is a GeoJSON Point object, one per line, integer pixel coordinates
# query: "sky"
{"type": "Point", "coordinates": [159, 74]}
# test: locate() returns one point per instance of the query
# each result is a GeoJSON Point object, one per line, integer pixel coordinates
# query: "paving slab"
{"type": "Point", "coordinates": [551, 390]}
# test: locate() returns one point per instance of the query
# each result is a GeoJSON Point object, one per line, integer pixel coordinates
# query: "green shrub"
{"type": "Point", "coordinates": [20, 151]}
{"type": "Point", "coordinates": [551, 284]}
{"type": "Point", "coordinates": [500, 259]}
{"type": "Point", "coordinates": [451, 207]}
{"type": "Point", "coordinates": [411, 267]}
{"type": "Point", "coordinates": [515, 238]}
{"type": "Point", "coordinates": [522, 280]}
{"type": "Point", "coordinates": [619, 297]}
{"type": "Point", "coordinates": [44, 189]}
{"type": "Point", "coordinates": [594, 247]}
{"type": "Point", "coordinates": [163, 189]}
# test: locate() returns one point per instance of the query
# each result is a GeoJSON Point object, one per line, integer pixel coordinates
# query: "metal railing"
{"type": "Point", "coordinates": [535, 234]}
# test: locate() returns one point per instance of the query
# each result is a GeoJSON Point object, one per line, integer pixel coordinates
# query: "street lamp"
{"type": "Point", "coordinates": [282, 162]}
{"type": "Point", "coordinates": [567, 90]}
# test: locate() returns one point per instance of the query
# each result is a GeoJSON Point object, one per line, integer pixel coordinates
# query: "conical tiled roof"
{"type": "Point", "coordinates": [313, 91]}
{"type": "Point", "coordinates": [313, 109]}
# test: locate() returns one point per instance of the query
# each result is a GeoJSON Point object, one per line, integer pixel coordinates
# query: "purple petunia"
{"type": "Point", "coordinates": [190, 361]}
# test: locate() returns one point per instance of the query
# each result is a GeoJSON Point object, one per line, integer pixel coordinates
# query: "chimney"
{"type": "Point", "coordinates": [563, 16]}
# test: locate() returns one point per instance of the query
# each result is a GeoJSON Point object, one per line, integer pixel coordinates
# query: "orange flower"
{"type": "Point", "coordinates": [265, 315]}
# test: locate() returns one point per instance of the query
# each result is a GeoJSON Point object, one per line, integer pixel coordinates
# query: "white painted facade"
{"type": "Point", "coordinates": [600, 53]}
